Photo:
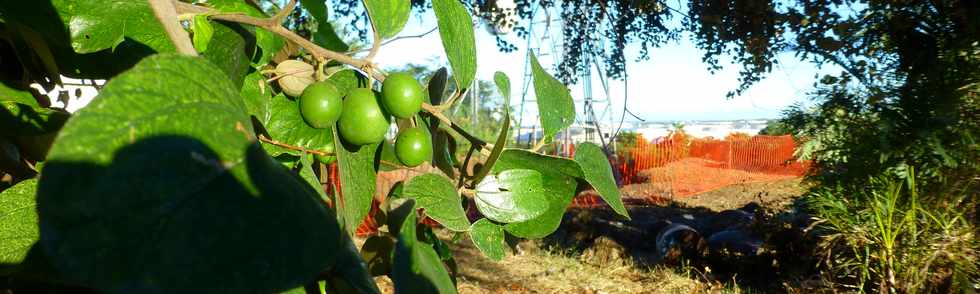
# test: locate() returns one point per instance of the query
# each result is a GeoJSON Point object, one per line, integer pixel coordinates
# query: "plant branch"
{"type": "Point", "coordinates": [283, 13]}
{"type": "Point", "coordinates": [274, 27]}
{"type": "Point", "coordinates": [166, 14]}
{"type": "Point", "coordinates": [376, 44]}
{"type": "Point", "coordinates": [538, 146]}
{"type": "Point", "coordinates": [437, 113]}
{"type": "Point", "coordinates": [266, 140]}
{"type": "Point", "coordinates": [399, 38]}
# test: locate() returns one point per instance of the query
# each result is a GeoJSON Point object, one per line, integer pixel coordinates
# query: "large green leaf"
{"type": "Point", "coordinates": [102, 24]}
{"type": "Point", "coordinates": [514, 195]}
{"type": "Point", "coordinates": [555, 105]}
{"type": "Point", "coordinates": [228, 50]}
{"type": "Point", "coordinates": [437, 195]}
{"type": "Point", "coordinates": [558, 175]}
{"type": "Point", "coordinates": [18, 224]}
{"type": "Point", "coordinates": [357, 181]}
{"type": "Point", "coordinates": [388, 16]}
{"type": "Point", "coordinates": [286, 125]}
{"type": "Point", "coordinates": [159, 186]}
{"type": "Point", "coordinates": [25, 120]}
{"type": "Point", "coordinates": [599, 174]}
{"type": "Point", "coordinates": [489, 238]}
{"type": "Point", "coordinates": [456, 32]}
{"type": "Point", "coordinates": [416, 267]}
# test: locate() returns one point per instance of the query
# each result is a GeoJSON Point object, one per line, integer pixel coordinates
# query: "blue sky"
{"type": "Point", "coordinates": [672, 85]}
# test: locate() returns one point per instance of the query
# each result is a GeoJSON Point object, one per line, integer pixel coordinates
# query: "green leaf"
{"type": "Point", "coordinates": [514, 195]}
{"type": "Point", "coordinates": [503, 85]}
{"type": "Point", "coordinates": [24, 120]}
{"type": "Point", "coordinates": [286, 125]}
{"type": "Point", "coordinates": [489, 238]}
{"type": "Point", "coordinates": [18, 224]}
{"type": "Point", "coordinates": [558, 175]}
{"type": "Point", "coordinates": [388, 16]}
{"type": "Point", "coordinates": [555, 105]}
{"type": "Point", "coordinates": [498, 148]}
{"type": "Point", "coordinates": [559, 191]}
{"type": "Point", "coordinates": [8, 93]}
{"type": "Point", "coordinates": [437, 195]}
{"type": "Point", "coordinates": [203, 31]}
{"type": "Point", "coordinates": [599, 174]}
{"type": "Point", "coordinates": [456, 32]}
{"type": "Point", "coordinates": [437, 86]}
{"type": "Point", "coordinates": [257, 95]}
{"type": "Point", "coordinates": [159, 186]}
{"type": "Point", "coordinates": [416, 267]}
{"type": "Point", "coordinates": [102, 24]}
{"type": "Point", "coordinates": [228, 50]}
{"type": "Point", "coordinates": [444, 151]}
{"type": "Point", "coordinates": [348, 79]}
{"type": "Point", "coordinates": [357, 181]}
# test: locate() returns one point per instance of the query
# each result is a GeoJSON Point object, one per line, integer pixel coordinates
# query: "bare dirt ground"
{"type": "Point", "coordinates": [596, 252]}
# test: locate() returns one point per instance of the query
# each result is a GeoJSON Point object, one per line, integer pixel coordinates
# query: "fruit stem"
{"type": "Point", "coordinates": [485, 147]}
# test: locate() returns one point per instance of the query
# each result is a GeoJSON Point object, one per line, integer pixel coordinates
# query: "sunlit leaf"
{"type": "Point", "coordinates": [438, 196]}
{"type": "Point", "coordinates": [456, 32]}
{"type": "Point", "coordinates": [489, 238]}
{"type": "Point", "coordinates": [598, 172]}
{"type": "Point", "coordinates": [514, 195]}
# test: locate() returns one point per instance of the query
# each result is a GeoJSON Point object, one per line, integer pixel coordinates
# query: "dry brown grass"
{"type": "Point", "coordinates": [542, 271]}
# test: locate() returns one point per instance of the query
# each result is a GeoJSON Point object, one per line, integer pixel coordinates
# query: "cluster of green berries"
{"type": "Point", "coordinates": [363, 115]}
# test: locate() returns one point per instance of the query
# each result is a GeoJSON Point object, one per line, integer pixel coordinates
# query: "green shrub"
{"type": "Point", "coordinates": [890, 236]}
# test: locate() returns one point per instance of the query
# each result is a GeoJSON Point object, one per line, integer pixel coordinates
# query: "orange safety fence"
{"type": "Point", "coordinates": [669, 167]}
{"type": "Point", "coordinates": [678, 166]}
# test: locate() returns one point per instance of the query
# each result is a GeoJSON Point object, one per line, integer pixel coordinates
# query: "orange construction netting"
{"type": "Point", "coordinates": [679, 166]}
{"type": "Point", "coordinates": [669, 167]}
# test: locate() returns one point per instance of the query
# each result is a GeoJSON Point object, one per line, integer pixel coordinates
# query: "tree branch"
{"type": "Point", "coordinates": [283, 13]}
{"type": "Point", "coordinates": [271, 25]}
{"type": "Point", "coordinates": [166, 14]}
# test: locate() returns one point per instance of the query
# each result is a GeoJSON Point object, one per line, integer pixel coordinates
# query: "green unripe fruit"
{"type": "Point", "coordinates": [413, 147]}
{"type": "Point", "coordinates": [402, 95]}
{"type": "Point", "coordinates": [327, 159]}
{"type": "Point", "coordinates": [320, 105]}
{"type": "Point", "coordinates": [362, 121]}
